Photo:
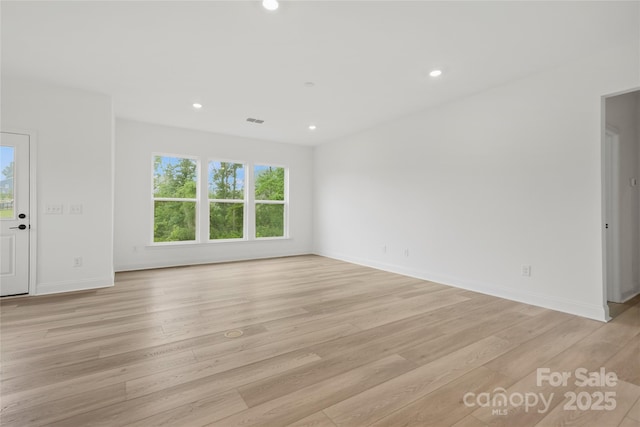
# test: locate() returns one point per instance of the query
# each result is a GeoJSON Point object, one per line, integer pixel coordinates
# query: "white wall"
{"type": "Point", "coordinates": [477, 188]}
{"type": "Point", "coordinates": [135, 143]}
{"type": "Point", "coordinates": [74, 166]}
{"type": "Point", "coordinates": [622, 116]}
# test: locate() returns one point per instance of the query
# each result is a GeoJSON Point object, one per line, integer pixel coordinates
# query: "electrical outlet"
{"type": "Point", "coordinates": [77, 261]}
{"type": "Point", "coordinates": [526, 270]}
{"type": "Point", "coordinates": [384, 249]}
{"type": "Point", "coordinates": [53, 209]}
{"type": "Point", "coordinates": [406, 252]}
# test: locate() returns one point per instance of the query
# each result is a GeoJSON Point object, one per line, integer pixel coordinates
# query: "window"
{"type": "Point", "coordinates": [7, 157]}
{"type": "Point", "coordinates": [226, 200]}
{"type": "Point", "coordinates": [270, 201]}
{"type": "Point", "coordinates": [175, 190]}
{"type": "Point", "coordinates": [205, 201]}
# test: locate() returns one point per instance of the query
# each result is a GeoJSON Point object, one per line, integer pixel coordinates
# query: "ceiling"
{"type": "Point", "coordinates": [369, 61]}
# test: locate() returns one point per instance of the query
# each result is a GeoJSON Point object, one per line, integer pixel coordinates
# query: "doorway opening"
{"type": "Point", "coordinates": [621, 201]}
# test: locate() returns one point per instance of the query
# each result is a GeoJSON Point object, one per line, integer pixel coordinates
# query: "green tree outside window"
{"type": "Point", "coordinates": [226, 200]}
{"type": "Point", "coordinates": [175, 191]}
{"type": "Point", "coordinates": [270, 201]}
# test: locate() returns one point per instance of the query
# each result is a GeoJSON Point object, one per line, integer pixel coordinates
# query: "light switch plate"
{"type": "Point", "coordinates": [53, 209]}
{"type": "Point", "coordinates": [75, 209]}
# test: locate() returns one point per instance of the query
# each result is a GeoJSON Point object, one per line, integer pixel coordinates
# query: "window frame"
{"type": "Point", "coordinates": [175, 199]}
{"type": "Point", "coordinates": [203, 219]}
{"type": "Point", "coordinates": [285, 202]}
{"type": "Point", "coordinates": [244, 201]}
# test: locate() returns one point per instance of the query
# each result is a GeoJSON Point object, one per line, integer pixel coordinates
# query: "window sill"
{"type": "Point", "coordinates": [210, 243]}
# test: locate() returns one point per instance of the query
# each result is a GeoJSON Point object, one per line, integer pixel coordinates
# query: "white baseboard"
{"type": "Point", "coordinates": [183, 263]}
{"type": "Point", "coordinates": [73, 285]}
{"type": "Point", "coordinates": [629, 295]}
{"type": "Point", "coordinates": [595, 312]}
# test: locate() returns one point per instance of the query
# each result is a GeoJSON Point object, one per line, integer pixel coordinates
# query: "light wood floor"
{"type": "Point", "coordinates": [324, 343]}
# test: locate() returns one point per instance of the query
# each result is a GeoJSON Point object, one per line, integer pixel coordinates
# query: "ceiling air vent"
{"type": "Point", "coordinates": [252, 120]}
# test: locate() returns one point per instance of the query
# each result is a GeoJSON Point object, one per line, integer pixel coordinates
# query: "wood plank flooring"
{"type": "Point", "coordinates": [323, 343]}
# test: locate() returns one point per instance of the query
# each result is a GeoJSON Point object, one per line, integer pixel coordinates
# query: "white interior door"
{"type": "Point", "coordinates": [14, 214]}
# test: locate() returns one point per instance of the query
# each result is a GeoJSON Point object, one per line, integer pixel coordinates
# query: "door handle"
{"type": "Point", "coordinates": [21, 227]}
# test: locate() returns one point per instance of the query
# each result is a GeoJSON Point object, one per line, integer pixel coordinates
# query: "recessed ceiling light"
{"type": "Point", "coordinates": [309, 84]}
{"type": "Point", "coordinates": [270, 4]}
{"type": "Point", "coordinates": [312, 127]}
{"type": "Point", "coordinates": [435, 73]}
{"type": "Point", "coordinates": [197, 105]}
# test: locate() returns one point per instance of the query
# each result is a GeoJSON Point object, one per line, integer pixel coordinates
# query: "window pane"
{"type": "Point", "coordinates": [226, 220]}
{"type": "Point", "coordinates": [269, 220]}
{"type": "Point", "coordinates": [174, 177]}
{"type": "Point", "coordinates": [269, 183]}
{"type": "Point", "coordinates": [226, 180]}
{"type": "Point", "coordinates": [7, 161]}
{"type": "Point", "coordinates": [174, 221]}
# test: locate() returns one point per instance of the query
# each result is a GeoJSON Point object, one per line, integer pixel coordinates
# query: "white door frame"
{"type": "Point", "coordinates": [33, 208]}
{"type": "Point", "coordinates": [611, 199]}
{"type": "Point", "coordinates": [603, 174]}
